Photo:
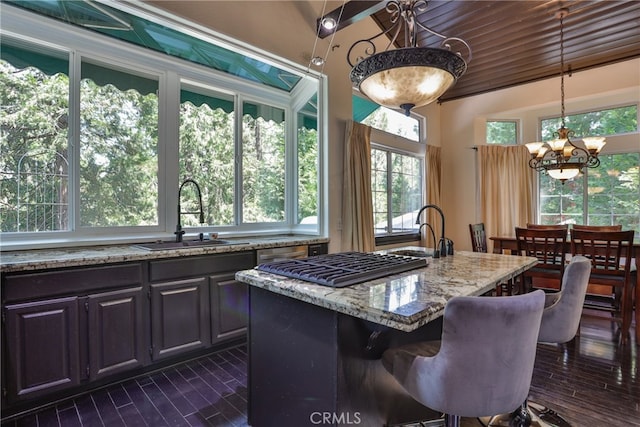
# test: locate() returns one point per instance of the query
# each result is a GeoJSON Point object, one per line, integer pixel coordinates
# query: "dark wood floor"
{"type": "Point", "coordinates": [592, 381]}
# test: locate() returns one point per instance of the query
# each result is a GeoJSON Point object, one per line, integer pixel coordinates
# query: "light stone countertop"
{"type": "Point", "coordinates": [404, 301]}
{"type": "Point", "coordinates": [40, 259]}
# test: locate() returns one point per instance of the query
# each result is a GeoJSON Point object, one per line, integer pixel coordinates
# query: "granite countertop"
{"type": "Point", "coordinates": [40, 259]}
{"type": "Point", "coordinates": [404, 301]}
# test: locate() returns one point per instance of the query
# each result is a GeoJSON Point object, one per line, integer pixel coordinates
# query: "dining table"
{"type": "Point", "coordinates": [509, 244]}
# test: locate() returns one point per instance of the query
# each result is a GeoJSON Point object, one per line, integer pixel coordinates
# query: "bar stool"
{"type": "Point", "coordinates": [560, 324]}
{"type": "Point", "coordinates": [483, 363]}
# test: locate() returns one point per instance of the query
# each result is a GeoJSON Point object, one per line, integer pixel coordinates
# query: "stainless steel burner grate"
{"type": "Point", "coordinates": [342, 269]}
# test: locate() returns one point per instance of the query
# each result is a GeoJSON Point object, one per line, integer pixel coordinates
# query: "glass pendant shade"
{"type": "Point", "coordinates": [594, 143]}
{"type": "Point", "coordinates": [565, 173]}
{"type": "Point", "coordinates": [407, 77]}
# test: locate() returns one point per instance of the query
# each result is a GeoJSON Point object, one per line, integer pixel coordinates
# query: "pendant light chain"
{"type": "Point", "coordinates": [562, 68]}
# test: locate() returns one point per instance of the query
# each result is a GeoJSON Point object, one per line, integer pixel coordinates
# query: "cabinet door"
{"type": "Point", "coordinates": [42, 347]}
{"type": "Point", "coordinates": [117, 341]}
{"type": "Point", "coordinates": [179, 317]}
{"type": "Point", "coordinates": [229, 305]}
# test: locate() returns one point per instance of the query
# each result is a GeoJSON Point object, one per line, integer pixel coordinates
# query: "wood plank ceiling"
{"type": "Point", "coordinates": [516, 42]}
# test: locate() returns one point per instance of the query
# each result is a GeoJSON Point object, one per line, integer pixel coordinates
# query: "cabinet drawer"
{"type": "Point", "coordinates": [73, 281]}
{"type": "Point", "coordinates": [170, 269]}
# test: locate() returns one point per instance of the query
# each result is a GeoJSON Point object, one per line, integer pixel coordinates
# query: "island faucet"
{"type": "Point", "coordinates": [179, 231]}
{"type": "Point", "coordinates": [441, 246]}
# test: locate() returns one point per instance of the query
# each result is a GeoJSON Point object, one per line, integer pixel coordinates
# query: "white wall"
{"type": "Point", "coordinates": [287, 29]}
{"type": "Point", "coordinates": [463, 121]}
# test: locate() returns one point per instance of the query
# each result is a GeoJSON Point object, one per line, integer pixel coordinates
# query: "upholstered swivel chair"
{"type": "Point", "coordinates": [560, 324]}
{"type": "Point", "coordinates": [484, 362]}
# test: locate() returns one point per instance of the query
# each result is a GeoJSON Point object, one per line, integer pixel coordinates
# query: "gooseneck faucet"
{"type": "Point", "coordinates": [179, 231]}
{"type": "Point", "coordinates": [441, 246]}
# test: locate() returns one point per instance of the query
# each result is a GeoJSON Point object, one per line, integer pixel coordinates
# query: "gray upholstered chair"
{"type": "Point", "coordinates": [560, 324]}
{"type": "Point", "coordinates": [484, 362]}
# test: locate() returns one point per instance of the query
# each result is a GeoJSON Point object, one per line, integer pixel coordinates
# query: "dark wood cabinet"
{"type": "Point", "coordinates": [179, 317]}
{"type": "Point", "coordinates": [116, 332]}
{"type": "Point", "coordinates": [230, 307]}
{"type": "Point", "coordinates": [42, 351]}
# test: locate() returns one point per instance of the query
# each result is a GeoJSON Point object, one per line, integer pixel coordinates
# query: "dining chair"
{"type": "Point", "coordinates": [469, 372]}
{"type": "Point", "coordinates": [564, 227]}
{"type": "Point", "coordinates": [617, 227]}
{"type": "Point", "coordinates": [610, 253]}
{"type": "Point", "coordinates": [478, 237]}
{"type": "Point", "coordinates": [550, 247]}
{"type": "Point", "coordinates": [479, 244]}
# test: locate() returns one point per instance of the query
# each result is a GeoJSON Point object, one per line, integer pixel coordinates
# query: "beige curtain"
{"type": "Point", "coordinates": [434, 178]}
{"type": "Point", "coordinates": [357, 205]}
{"type": "Point", "coordinates": [506, 188]}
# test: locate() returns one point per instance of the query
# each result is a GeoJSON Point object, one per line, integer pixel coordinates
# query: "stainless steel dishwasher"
{"type": "Point", "coordinates": [277, 254]}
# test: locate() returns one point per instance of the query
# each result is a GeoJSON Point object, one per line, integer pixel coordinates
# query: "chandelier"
{"type": "Point", "coordinates": [409, 76]}
{"type": "Point", "coordinates": [560, 157]}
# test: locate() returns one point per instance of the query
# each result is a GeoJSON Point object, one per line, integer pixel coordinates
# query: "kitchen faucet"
{"type": "Point", "coordinates": [179, 231]}
{"type": "Point", "coordinates": [441, 247]}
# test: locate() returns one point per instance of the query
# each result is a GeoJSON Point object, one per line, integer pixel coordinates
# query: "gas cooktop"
{"type": "Point", "coordinates": [342, 269]}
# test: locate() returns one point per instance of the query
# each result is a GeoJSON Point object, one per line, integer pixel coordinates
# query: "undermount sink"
{"type": "Point", "coordinates": [187, 244]}
{"type": "Point", "coordinates": [413, 253]}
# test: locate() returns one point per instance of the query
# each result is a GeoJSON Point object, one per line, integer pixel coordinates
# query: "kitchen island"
{"type": "Point", "coordinates": [314, 350]}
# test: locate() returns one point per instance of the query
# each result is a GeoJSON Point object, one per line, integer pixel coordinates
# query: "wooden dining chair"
{"type": "Point", "coordinates": [478, 237]}
{"type": "Point", "coordinates": [610, 253]}
{"type": "Point", "coordinates": [550, 247]}
{"type": "Point", "coordinates": [564, 227]}
{"type": "Point", "coordinates": [617, 227]}
{"type": "Point", "coordinates": [479, 244]}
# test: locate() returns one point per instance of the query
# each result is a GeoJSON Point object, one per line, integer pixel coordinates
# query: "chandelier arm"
{"type": "Point", "coordinates": [394, 10]}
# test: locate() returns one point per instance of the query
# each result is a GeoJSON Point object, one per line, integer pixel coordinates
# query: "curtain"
{"type": "Point", "coordinates": [506, 188]}
{"type": "Point", "coordinates": [357, 205]}
{"type": "Point", "coordinates": [434, 178]}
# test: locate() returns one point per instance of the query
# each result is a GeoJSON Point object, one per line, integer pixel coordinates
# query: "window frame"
{"type": "Point", "coordinates": [81, 43]}
{"type": "Point", "coordinates": [385, 141]}
{"type": "Point", "coordinates": [621, 143]}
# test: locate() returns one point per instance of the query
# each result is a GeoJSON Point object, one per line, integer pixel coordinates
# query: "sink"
{"type": "Point", "coordinates": [187, 244]}
{"type": "Point", "coordinates": [412, 253]}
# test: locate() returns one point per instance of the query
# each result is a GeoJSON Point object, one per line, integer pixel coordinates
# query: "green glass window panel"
{"type": "Point", "coordinates": [362, 108]}
{"type": "Point", "coordinates": [136, 30]}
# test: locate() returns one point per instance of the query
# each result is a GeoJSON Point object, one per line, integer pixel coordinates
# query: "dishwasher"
{"type": "Point", "coordinates": [279, 254]}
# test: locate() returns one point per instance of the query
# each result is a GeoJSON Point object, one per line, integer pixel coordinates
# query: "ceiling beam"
{"type": "Point", "coordinates": [353, 11]}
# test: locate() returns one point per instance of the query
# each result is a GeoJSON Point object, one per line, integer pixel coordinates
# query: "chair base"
{"type": "Point", "coordinates": [540, 416]}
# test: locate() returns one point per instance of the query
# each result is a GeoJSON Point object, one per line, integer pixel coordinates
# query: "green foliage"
{"type": "Point", "coordinates": [118, 158]}
{"type": "Point", "coordinates": [502, 132]}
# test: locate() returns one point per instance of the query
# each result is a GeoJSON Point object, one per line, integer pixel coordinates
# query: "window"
{"type": "Point", "coordinates": [606, 195]}
{"type": "Point", "coordinates": [95, 146]}
{"type": "Point", "coordinates": [33, 142]}
{"type": "Point", "coordinates": [118, 148]}
{"type": "Point", "coordinates": [385, 119]}
{"type": "Point", "coordinates": [206, 156]}
{"type": "Point", "coordinates": [503, 132]}
{"type": "Point", "coordinates": [397, 169]}
{"type": "Point", "coordinates": [396, 181]}
{"type": "Point", "coordinates": [263, 163]}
